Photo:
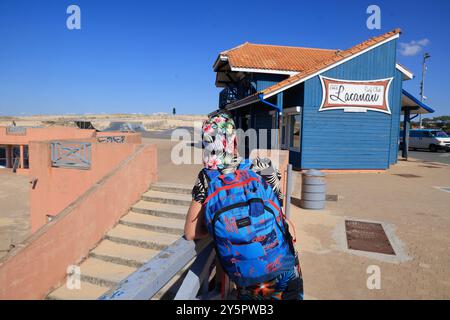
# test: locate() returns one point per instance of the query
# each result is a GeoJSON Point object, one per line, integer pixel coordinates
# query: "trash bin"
{"type": "Point", "coordinates": [313, 190]}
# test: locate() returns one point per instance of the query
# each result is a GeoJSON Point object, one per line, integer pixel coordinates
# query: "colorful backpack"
{"type": "Point", "coordinates": [244, 217]}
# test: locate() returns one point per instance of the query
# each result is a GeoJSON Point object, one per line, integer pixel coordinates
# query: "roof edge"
{"type": "Point", "coordinates": [344, 56]}
{"type": "Point", "coordinates": [419, 103]}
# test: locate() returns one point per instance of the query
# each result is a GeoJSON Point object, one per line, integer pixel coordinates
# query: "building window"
{"type": "Point", "coordinates": [295, 131]}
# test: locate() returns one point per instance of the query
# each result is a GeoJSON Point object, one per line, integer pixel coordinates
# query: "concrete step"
{"type": "Point", "coordinates": [140, 237]}
{"type": "Point", "coordinates": [103, 273]}
{"type": "Point", "coordinates": [170, 198]}
{"type": "Point", "coordinates": [172, 188]}
{"type": "Point", "coordinates": [87, 291]}
{"type": "Point", "coordinates": [119, 253]}
{"type": "Point", "coordinates": [154, 223]}
{"type": "Point", "coordinates": [160, 209]}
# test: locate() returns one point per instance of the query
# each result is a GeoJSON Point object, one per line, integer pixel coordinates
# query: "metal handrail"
{"type": "Point", "coordinates": [150, 278]}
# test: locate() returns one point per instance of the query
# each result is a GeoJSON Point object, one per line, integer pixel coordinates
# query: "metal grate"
{"type": "Point", "coordinates": [406, 175]}
{"type": "Point", "coordinates": [71, 154]}
{"type": "Point", "coordinates": [331, 197]}
{"type": "Point", "coordinates": [367, 236]}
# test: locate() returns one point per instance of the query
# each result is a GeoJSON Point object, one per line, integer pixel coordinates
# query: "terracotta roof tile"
{"type": "Point", "coordinates": [270, 57]}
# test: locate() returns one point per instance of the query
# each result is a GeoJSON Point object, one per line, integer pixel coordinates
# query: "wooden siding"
{"type": "Point", "coordinates": [262, 81]}
{"type": "Point", "coordinates": [335, 139]}
{"type": "Point", "coordinates": [262, 120]}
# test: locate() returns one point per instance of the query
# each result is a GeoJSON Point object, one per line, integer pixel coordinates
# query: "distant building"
{"type": "Point", "coordinates": [15, 141]}
{"type": "Point", "coordinates": [331, 109]}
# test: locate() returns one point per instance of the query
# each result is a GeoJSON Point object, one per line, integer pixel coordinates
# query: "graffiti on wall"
{"type": "Point", "coordinates": [111, 139]}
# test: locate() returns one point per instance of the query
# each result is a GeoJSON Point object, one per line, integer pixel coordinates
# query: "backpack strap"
{"type": "Point", "coordinates": [245, 164]}
{"type": "Point", "coordinates": [211, 174]}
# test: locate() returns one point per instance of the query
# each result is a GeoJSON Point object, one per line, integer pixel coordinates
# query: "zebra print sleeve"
{"type": "Point", "coordinates": [200, 188]}
{"type": "Point", "coordinates": [264, 167]}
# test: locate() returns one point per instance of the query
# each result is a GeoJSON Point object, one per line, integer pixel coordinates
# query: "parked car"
{"type": "Point", "coordinates": [431, 139]}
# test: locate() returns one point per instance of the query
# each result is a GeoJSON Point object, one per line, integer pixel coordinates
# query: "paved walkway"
{"type": "Point", "coordinates": [14, 217]}
{"type": "Point", "coordinates": [416, 217]}
{"type": "Point", "coordinates": [443, 157]}
{"type": "Point", "coordinates": [167, 170]}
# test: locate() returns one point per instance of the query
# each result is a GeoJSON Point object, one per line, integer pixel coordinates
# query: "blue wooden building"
{"type": "Point", "coordinates": [332, 109]}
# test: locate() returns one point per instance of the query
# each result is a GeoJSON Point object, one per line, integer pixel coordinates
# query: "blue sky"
{"type": "Point", "coordinates": [149, 56]}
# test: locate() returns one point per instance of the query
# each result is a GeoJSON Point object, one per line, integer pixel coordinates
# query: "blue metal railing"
{"type": "Point", "coordinates": [228, 95]}
{"type": "Point", "coordinates": [232, 94]}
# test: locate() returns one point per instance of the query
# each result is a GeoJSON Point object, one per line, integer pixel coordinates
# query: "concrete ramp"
{"type": "Point", "coordinates": [152, 224]}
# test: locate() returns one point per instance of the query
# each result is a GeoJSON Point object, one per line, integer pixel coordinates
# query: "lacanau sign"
{"type": "Point", "coordinates": [355, 96]}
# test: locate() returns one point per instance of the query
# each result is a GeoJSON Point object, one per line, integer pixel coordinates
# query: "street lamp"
{"type": "Point", "coordinates": [426, 55]}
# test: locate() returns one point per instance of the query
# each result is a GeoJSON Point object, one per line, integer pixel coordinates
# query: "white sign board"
{"type": "Point", "coordinates": [355, 96]}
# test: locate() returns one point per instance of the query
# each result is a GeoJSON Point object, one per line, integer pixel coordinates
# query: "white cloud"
{"type": "Point", "coordinates": [413, 47]}
{"type": "Point", "coordinates": [423, 42]}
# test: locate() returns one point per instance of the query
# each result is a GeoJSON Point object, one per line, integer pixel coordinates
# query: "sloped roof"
{"type": "Point", "coordinates": [335, 58]}
{"type": "Point", "coordinates": [329, 62]}
{"type": "Point", "coordinates": [271, 57]}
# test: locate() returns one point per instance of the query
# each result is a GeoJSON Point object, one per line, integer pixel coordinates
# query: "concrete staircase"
{"type": "Point", "coordinates": [152, 224]}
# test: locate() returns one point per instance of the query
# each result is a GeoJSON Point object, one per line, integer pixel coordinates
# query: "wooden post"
{"type": "Point", "coordinates": [9, 162]}
{"type": "Point", "coordinates": [287, 207]}
{"type": "Point", "coordinates": [406, 127]}
{"type": "Point", "coordinates": [279, 117]}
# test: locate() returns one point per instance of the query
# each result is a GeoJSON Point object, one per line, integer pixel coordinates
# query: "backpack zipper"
{"type": "Point", "coordinates": [230, 207]}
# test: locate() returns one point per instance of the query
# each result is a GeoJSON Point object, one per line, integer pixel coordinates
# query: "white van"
{"type": "Point", "coordinates": [431, 139]}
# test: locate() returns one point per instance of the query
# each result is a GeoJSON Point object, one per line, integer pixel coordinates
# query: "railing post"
{"type": "Point", "coordinates": [198, 275]}
{"type": "Point", "coordinates": [288, 190]}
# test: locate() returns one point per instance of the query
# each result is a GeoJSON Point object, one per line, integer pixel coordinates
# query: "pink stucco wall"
{"type": "Point", "coordinates": [59, 133]}
{"type": "Point", "coordinates": [46, 133]}
{"type": "Point", "coordinates": [56, 188]}
{"type": "Point", "coordinates": [40, 263]}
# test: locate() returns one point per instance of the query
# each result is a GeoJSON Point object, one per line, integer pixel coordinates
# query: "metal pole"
{"type": "Point", "coordinates": [422, 84]}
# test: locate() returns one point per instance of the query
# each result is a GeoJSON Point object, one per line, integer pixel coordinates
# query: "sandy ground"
{"type": "Point", "coordinates": [414, 214]}
{"type": "Point", "coordinates": [14, 217]}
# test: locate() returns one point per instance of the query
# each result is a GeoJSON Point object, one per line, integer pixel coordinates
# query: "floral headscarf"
{"type": "Point", "coordinates": [219, 142]}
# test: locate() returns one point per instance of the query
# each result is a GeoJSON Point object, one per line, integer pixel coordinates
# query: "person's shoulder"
{"type": "Point", "coordinates": [261, 163]}
{"type": "Point", "coordinates": [202, 175]}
